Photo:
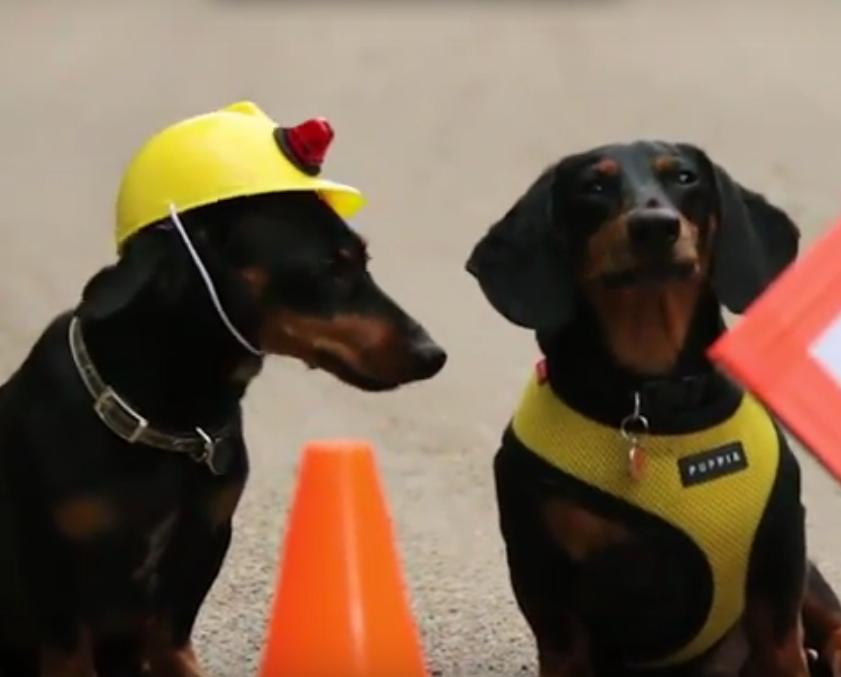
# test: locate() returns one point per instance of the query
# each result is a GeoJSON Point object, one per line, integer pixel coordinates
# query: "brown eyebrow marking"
{"type": "Point", "coordinates": [664, 163]}
{"type": "Point", "coordinates": [607, 167]}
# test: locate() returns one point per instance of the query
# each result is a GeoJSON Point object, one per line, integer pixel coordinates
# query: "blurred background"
{"type": "Point", "coordinates": [444, 112]}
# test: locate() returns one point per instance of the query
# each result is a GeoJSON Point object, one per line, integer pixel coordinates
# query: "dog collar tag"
{"type": "Point", "coordinates": [636, 462]}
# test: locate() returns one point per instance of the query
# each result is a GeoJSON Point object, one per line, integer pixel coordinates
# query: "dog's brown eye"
{"type": "Point", "coordinates": [594, 187]}
{"type": "Point", "coordinates": [346, 261]}
{"type": "Point", "coordinates": [339, 266]}
{"type": "Point", "coordinates": [686, 178]}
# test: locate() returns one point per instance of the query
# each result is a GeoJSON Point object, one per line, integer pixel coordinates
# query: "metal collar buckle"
{"type": "Point", "coordinates": [207, 454]}
{"type": "Point", "coordinates": [108, 402]}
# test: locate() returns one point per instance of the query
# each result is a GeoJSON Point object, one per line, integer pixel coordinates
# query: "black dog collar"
{"type": "Point", "coordinates": [663, 395]}
{"type": "Point", "coordinates": [670, 405]}
{"type": "Point", "coordinates": [125, 422]}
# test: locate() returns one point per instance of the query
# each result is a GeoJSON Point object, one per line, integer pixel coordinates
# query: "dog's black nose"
{"type": "Point", "coordinates": [429, 358]}
{"type": "Point", "coordinates": [653, 231]}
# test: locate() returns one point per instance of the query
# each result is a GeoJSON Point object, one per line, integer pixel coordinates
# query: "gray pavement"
{"type": "Point", "coordinates": [444, 111]}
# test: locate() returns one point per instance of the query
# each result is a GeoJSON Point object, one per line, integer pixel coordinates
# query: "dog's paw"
{"type": "Point", "coordinates": [176, 663]}
{"type": "Point", "coordinates": [835, 663]}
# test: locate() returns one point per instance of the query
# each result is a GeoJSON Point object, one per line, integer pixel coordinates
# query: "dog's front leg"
{"type": "Point", "coordinates": [48, 572]}
{"type": "Point", "coordinates": [822, 620]}
{"type": "Point", "coordinates": [191, 567]}
{"type": "Point", "coordinates": [570, 659]}
{"type": "Point", "coordinates": [777, 580]}
{"type": "Point", "coordinates": [71, 658]}
{"type": "Point", "coordinates": [540, 577]}
{"type": "Point", "coordinates": [170, 661]}
{"type": "Point", "coordinates": [775, 641]}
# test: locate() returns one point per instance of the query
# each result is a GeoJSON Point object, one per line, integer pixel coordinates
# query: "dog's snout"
{"type": "Point", "coordinates": [429, 357]}
{"type": "Point", "coordinates": [653, 230]}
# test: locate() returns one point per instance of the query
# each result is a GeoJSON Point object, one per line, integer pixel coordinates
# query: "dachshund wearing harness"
{"type": "Point", "coordinates": [651, 509]}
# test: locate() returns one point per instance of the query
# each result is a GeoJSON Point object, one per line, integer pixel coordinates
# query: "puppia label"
{"type": "Point", "coordinates": [710, 465]}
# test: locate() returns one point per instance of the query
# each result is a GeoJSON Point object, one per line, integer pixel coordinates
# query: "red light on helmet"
{"type": "Point", "coordinates": [306, 144]}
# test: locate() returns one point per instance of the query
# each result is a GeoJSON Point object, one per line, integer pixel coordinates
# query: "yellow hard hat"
{"type": "Point", "coordinates": [233, 152]}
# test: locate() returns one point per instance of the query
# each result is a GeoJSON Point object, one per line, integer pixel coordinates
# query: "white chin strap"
{"type": "Point", "coordinates": [244, 342]}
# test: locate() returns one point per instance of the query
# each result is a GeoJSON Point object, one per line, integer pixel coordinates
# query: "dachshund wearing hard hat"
{"type": "Point", "coordinates": [650, 509]}
{"type": "Point", "coordinates": [121, 449]}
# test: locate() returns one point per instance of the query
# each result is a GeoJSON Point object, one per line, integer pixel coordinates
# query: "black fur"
{"type": "Point", "coordinates": [528, 266]}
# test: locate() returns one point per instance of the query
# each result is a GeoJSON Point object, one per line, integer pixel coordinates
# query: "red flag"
{"type": "Point", "coordinates": [787, 349]}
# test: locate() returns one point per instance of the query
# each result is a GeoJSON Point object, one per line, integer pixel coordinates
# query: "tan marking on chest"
{"type": "Point", "coordinates": [85, 516]}
{"type": "Point", "coordinates": [580, 532]}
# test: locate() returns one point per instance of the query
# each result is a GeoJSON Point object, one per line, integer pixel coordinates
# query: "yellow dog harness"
{"type": "Point", "coordinates": [712, 485]}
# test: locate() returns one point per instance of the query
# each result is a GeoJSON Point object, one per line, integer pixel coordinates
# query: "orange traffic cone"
{"type": "Point", "coordinates": [340, 609]}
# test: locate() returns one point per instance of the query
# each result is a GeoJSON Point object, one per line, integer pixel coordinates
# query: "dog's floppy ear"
{"type": "Point", "coordinates": [522, 265]}
{"type": "Point", "coordinates": [114, 287]}
{"type": "Point", "coordinates": [754, 242]}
